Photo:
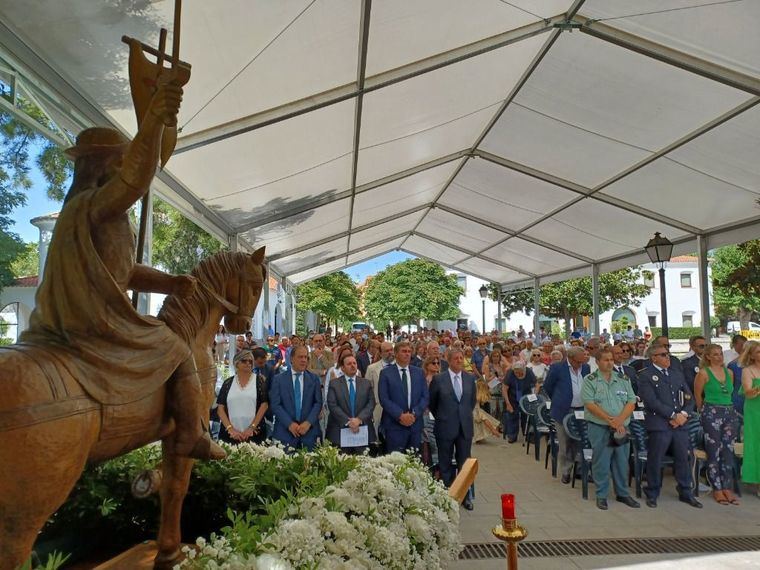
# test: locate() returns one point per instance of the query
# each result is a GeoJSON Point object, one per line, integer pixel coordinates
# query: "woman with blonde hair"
{"type": "Point", "coordinates": [713, 388]}
{"type": "Point", "coordinates": [750, 363]}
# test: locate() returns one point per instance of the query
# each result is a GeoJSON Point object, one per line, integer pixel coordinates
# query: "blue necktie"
{"type": "Point", "coordinates": [458, 387]}
{"type": "Point", "coordinates": [352, 396]}
{"type": "Point", "coordinates": [405, 388]}
{"type": "Point", "coordinates": [297, 396]}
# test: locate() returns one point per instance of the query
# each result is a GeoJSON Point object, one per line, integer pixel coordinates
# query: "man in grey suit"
{"type": "Point", "coordinates": [351, 402]}
{"type": "Point", "coordinates": [373, 375]}
{"type": "Point", "coordinates": [452, 400]}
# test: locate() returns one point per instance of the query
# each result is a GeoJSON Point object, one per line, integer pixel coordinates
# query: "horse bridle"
{"type": "Point", "coordinates": [233, 309]}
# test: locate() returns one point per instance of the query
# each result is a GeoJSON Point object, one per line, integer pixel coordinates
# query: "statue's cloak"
{"type": "Point", "coordinates": [119, 356]}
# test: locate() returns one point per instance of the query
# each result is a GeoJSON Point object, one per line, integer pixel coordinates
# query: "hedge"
{"type": "Point", "coordinates": [675, 333]}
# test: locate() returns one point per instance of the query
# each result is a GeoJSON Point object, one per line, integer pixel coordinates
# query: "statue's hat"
{"type": "Point", "coordinates": [96, 140]}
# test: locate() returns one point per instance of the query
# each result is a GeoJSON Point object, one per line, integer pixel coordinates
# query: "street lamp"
{"type": "Point", "coordinates": [483, 294]}
{"type": "Point", "coordinates": [659, 249]}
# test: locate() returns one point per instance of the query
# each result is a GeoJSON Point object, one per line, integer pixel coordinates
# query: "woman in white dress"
{"type": "Point", "coordinates": [242, 403]}
{"type": "Point", "coordinates": [221, 344]}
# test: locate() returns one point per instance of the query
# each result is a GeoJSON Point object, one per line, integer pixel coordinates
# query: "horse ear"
{"type": "Point", "coordinates": [258, 255]}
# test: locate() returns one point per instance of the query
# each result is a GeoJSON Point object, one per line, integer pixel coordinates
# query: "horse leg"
{"type": "Point", "coordinates": [37, 479]}
{"type": "Point", "coordinates": [176, 478]}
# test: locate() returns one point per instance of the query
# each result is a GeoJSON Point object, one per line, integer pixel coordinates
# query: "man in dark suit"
{"type": "Point", "coordinates": [403, 395]}
{"type": "Point", "coordinates": [452, 400]}
{"type": "Point", "coordinates": [296, 400]}
{"type": "Point", "coordinates": [626, 371]}
{"type": "Point", "coordinates": [690, 365]}
{"type": "Point", "coordinates": [667, 404]}
{"type": "Point", "coordinates": [563, 384]}
{"type": "Point", "coordinates": [664, 342]}
{"type": "Point", "coordinates": [350, 401]}
{"type": "Point", "coordinates": [364, 359]}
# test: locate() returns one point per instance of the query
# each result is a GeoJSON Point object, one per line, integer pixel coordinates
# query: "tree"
{"type": "Point", "coordinates": [27, 262]}
{"type": "Point", "coordinates": [178, 244]}
{"type": "Point", "coordinates": [573, 297]}
{"type": "Point", "coordinates": [21, 147]}
{"type": "Point", "coordinates": [412, 290]}
{"type": "Point", "coordinates": [333, 297]}
{"type": "Point", "coordinates": [735, 274]}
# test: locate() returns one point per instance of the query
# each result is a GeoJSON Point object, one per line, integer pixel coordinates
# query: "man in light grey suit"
{"type": "Point", "coordinates": [373, 375]}
{"type": "Point", "coordinates": [452, 401]}
{"type": "Point", "coordinates": [351, 402]}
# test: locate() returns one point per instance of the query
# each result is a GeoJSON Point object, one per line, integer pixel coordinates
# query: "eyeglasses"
{"type": "Point", "coordinates": [246, 361]}
{"type": "Point", "coordinates": [435, 362]}
{"type": "Point", "coordinates": [700, 345]}
{"type": "Point", "coordinates": [626, 349]}
{"type": "Point", "coordinates": [661, 354]}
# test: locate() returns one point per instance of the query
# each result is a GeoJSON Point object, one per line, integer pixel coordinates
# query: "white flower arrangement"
{"type": "Point", "coordinates": [388, 513]}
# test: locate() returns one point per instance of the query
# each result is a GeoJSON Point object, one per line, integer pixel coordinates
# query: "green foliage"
{"type": "Point", "coordinates": [55, 560]}
{"type": "Point", "coordinates": [334, 297]}
{"type": "Point", "coordinates": [736, 280]}
{"type": "Point", "coordinates": [178, 244]}
{"type": "Point", "coordinates": [677, 333]}
{"type": "Point", "coordinates": [27, 262]}
{"type": "Point", "coordinates": [241, 489]}
{"type": "Point", "coordinates": [412, 290]}
{"type": "Point", "coordinates": [572, 298]}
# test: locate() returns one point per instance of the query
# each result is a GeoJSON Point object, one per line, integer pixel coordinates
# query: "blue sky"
{"type": "Point", "coordinates": [38, 204]}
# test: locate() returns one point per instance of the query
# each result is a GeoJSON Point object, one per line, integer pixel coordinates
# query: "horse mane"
{"type": "Point", "coordinates": [186, 315]}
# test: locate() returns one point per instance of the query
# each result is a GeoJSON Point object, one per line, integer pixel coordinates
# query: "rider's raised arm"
{"type": "Point", "coordinates": [141, 159]}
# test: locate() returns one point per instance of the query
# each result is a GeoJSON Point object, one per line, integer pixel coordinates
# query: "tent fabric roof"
{"type": "Point", "coordinates": [509, 140]}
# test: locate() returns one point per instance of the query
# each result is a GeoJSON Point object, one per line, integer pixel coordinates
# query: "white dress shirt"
{"type": "Point", "coordinates": [576, 378]}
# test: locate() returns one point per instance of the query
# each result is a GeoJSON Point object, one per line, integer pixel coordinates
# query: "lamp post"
{"type": "Point", "coordinates": [483, 294]}
{"type": "Point", "coordinates": [659, 249]}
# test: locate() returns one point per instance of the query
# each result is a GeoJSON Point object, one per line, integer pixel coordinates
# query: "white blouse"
{"type": "Point", "coordinates": [241, 404]}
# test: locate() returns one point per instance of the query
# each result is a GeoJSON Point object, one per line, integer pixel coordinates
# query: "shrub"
{"type": "Point", "coordinates": [676, 333]}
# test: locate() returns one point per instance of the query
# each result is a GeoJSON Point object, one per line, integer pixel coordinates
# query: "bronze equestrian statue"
{"type": "Point", "coordinates": [91, 378]}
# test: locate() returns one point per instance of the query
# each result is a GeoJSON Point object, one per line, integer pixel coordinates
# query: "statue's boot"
{"type": "Point", "coordinates": [200, 447]}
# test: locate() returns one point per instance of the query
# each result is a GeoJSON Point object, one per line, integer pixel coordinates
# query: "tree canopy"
{"type": "Point", "coordinates": [412, 290]}
{"type": "Point", "coordinates": [27, 262]}
{"type": "Point", "coordinates": [573, 298]}
{"type": "Point", "coordinates": [736, 281]}
{"type": "Point", "coordinates": [333, 297]}
{"type": "Point", "coordinates": [178, 244]}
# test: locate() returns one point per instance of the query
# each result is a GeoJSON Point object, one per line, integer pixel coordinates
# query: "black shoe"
{"type": "Point", "coordinates": [630, 501]}
{"type": "Point", "coordinates": [566, 479]}
{"type": "Point", "coordinates": [601, 504]}
{"type": "Point", "coordinates": [651, 503]}
{"type": "Point", "coordinates": [467, 504]}
{"type": "Point", "coordinates": [691, 501]}
{"type": "Point", "coordinates": [512, 440]}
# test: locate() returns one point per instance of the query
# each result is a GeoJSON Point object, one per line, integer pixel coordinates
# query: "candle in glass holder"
{"type": "Point", "coordinates": [508, 506]}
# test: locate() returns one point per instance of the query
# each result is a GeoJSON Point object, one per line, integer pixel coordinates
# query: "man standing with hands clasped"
{"type": "Point", "coordinates": [667, 402]}
{"type": "Point", "coordinates": [404, 396]}
{"type": "Point", "coordinates": [609, 401]}
{"type": "Point", "coordinates": [452, 400]}
{"type": "Point", "coordinates": [296, 401]}
{"type": "Point", "coordinates": [351, 402]}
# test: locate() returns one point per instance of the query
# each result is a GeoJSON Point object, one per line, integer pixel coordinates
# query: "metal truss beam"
{"type": "Point", "coordinates": [508, 99]}
{"type": "Point", "coordinates": [36, 126]}
{"type": "Point", "coordinates": [350, 253]}
{"type": "Point", "coordinates": [512, 233]}
{"type": "Point", "coordinates": [361, 69]}
{"type": "Point", "coordinates": [471, 254]}
{"type": "Point", "coordinates": [373, 83]}
{"type": "Point", "coordinates": [330, 198]}
{"type": "Point", "coordinates": [345, 233]}
{"type": "Point", "coordinates": [585, 193]}
{"type": "Point", "coordinates": [669, 55]}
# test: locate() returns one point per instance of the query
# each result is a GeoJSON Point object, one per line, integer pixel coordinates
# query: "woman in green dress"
{"type": "Point", "coordinates": [750, 363]}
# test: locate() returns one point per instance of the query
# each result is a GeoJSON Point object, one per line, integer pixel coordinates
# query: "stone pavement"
{"type": "Point", "coordinates": [552, 511]}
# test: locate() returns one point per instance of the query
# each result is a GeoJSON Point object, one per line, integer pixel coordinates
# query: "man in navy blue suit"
{"type": "Point", "coordinates": [667, 404]}
{"type": "Point", "coordinates": [452, 400]}
{"type": "Point", "coordinates": [403, 396]}
{"type": "Point", "coordinates": [624, 370]}
{"type": "Point", "coordinates": [563, 384]}
{"type": "Point", "coordinates": [296, 400]}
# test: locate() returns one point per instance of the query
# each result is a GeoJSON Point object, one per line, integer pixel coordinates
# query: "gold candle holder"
{"type": "Point", "coordinates": [510, 533]}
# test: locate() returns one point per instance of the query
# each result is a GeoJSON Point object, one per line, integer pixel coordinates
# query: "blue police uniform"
{"type": "Point", "coordinates": [665, 395]}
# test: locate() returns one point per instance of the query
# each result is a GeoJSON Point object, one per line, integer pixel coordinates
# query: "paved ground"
{"type": "Point", "coordinates": [552, 511]}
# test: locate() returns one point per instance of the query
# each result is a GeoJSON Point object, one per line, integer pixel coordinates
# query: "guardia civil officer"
{"type": "Point", "coordinates": [667, 404]}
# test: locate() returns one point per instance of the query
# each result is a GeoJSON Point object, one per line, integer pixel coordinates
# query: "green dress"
{"type": "Point", "coordinates": [751, 463]}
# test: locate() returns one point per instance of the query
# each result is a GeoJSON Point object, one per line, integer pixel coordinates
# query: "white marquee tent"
{"type": "Point", "coordinates": [520, 141]}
